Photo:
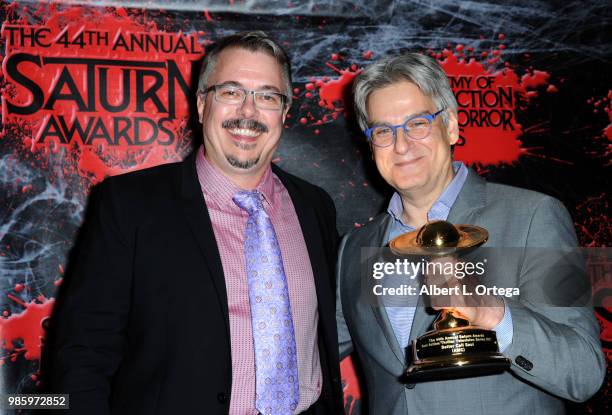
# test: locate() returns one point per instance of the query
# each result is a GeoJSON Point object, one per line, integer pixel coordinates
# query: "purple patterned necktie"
{"type": "Point", "coordinates": [276, 372]}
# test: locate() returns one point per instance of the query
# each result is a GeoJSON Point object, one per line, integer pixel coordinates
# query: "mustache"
{"type": "Point", "coordinates": [245, 124]}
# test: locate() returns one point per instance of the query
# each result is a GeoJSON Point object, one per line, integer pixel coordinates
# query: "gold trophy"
{"type": "Point", "coordinates": [454, 348]}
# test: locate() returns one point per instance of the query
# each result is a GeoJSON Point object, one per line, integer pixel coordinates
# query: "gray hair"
{"type": "Point", "coordinates": [256, 41]}
{"type": "Point", "coordinates": [423, 71]}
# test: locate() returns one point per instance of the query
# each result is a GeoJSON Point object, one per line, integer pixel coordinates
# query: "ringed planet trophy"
{"type": "Point", "coordinates": [454, 348]}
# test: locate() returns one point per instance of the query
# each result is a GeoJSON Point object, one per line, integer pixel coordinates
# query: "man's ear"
{"type": "Point", "coordinates": [201, 102]}
{"type": "Point", "coordinates": [452, 130]}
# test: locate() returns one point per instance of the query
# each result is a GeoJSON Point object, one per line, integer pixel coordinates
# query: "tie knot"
{"type": "Point", "coordinates": [249, 200]}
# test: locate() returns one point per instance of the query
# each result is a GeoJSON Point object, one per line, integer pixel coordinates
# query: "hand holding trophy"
{"type": "Point", "coordinates": [461, 343]}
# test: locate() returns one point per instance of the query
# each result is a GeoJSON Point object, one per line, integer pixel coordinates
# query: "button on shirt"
{"type": "Point", "coordinates": [401, 317]}
{"type": "Point", "coordinates": [229, 223]}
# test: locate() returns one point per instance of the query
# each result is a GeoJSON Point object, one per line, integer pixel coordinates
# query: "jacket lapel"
{"type": "Point", "coordinates": [196, 214]}
{"type": "Point", "coordinates": [379, 238]}
{"type": "Point", "coordinates": [311, 231]}
{"type": "Point", "coordinates": [423, 319]}
{"type": "Point", "coordinates": [470, 200]}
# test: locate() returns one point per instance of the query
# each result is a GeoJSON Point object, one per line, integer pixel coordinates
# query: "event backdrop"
{"type": "Point", "coordinates": [91, 91]}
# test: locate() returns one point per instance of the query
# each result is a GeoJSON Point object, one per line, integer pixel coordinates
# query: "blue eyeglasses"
{"type": "Point", "coordinates": [417, 128]}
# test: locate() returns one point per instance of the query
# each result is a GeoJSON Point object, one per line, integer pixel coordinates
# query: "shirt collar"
{"type": "Point", "coordinates": [220, 189]}
{"type": "Point", "coordinates": [442, 206]}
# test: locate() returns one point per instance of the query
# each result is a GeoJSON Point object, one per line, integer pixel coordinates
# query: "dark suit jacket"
{"type": "Point", "coordinates": [143, 327]}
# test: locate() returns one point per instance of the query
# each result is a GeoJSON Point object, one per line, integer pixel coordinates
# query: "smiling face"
{"type": "Point", "coordinates": [240, 139]}
{"type": "Point", "coordinates": [413, 168]}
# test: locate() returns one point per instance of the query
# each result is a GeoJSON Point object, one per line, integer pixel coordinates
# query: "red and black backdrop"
{"type": "Point", "coordinates": [93, 91]}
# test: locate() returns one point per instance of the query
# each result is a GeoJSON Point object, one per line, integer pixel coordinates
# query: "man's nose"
{"type": "Point", "coordinates": [402, 141]}
{"type": "Point", "coordinates": [248, 109]}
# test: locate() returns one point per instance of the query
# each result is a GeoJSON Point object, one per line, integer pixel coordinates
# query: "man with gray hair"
{"type": "Point", "coordinates": [207, 286]}
{"type": "Point", "coordinates": [409, 114]}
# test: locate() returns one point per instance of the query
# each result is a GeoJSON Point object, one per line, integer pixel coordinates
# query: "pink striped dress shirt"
{"type": "Point", "coordinates": [229, 222]}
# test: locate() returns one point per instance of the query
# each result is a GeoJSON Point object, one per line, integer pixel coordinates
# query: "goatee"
{"type": "Point", "coordinates": [245, 165]}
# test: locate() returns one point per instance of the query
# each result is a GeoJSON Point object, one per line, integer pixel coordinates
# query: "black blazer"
{"type": "Point", "coordinates": [143, 325]}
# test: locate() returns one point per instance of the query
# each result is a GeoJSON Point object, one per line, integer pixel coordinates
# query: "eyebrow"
{"type": "Point", "coordinates": [417, 114]}
{"type": "Point", "coordinates": [262, 88]}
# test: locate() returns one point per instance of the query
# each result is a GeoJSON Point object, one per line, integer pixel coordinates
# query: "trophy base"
{"type": "Point", "coordinates": [477, 364]}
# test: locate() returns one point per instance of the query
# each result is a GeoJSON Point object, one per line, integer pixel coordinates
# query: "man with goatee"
{"type": "Point", "coordinates": [206, 286]}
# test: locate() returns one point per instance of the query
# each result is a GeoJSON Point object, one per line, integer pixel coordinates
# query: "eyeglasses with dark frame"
{"type": "Point", "coordinates": [417, 127]}
{"type": "Point", "coordinates": [235, 95]}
